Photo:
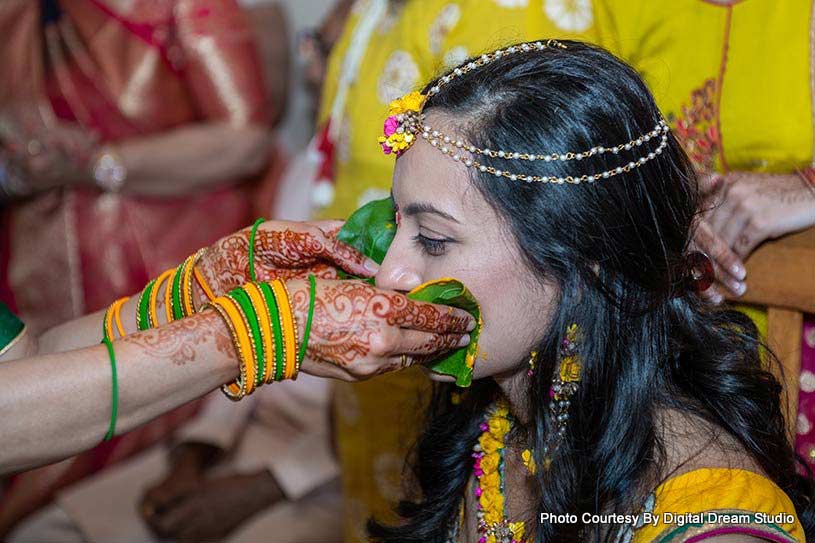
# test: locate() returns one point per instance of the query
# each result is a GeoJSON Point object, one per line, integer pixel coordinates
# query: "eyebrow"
{"type": "Point", "coordinates": [417, 208]}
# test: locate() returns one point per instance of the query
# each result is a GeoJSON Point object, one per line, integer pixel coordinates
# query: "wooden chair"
{"type": "Point", "coordinates": [781, 276]}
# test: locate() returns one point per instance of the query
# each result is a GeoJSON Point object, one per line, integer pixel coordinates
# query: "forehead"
{"type": "Point", "coordinates": [425, 174]}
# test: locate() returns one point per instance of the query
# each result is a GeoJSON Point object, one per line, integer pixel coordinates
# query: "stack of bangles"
{"type": "Point", "coordinates": [178, 302]}
{"type": "Point", "coordinates": [264, 333]}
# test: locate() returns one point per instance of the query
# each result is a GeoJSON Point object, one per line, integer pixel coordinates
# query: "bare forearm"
{"type": "Point", "coordinates": [87, 331]}
{"type": "Point", "coordinates": [189, 158]}
{"type": "Point", "coordinates": [57, 405]}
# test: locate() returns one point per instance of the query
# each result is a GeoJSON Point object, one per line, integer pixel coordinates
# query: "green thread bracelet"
{"type": "Point", "coordinates": [143, 316]}
{"type": "Point", "coordinates": [252, 235]}
{"type": "Point", "coordinates": [312, 293]}
{"type": "Point", "coordinates": [245, 302]}
{"type": "Point", "coordinates": [114, 409]}
{"type": "Point", "coordinates": [277, 327]}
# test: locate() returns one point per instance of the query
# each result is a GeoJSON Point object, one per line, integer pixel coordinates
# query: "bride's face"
{"type": "Point", "coordinates": [447, 229]}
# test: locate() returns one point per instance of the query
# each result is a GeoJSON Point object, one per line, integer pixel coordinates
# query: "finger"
{"type": "Point", "coordinates": [427, 317]}
{"type": "Point", "coordinates": [714, 295]}
{"type": "Point", "coordinates": [323, 271]}
{"type": "Point", "coordinates": [349, 259]}
{"type": "Point", "coordinates": [729, 266]}
{"type": "Point", "coordinates": [724, 208]}
{"type": "Point", "coordinates": [416, 343]}
{"type": "Point", "coordinates": [732, 230]}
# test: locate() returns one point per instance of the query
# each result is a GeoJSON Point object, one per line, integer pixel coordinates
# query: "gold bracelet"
{"type": "Point", "coordinates": [233, 309]}
{"type": "Point", "coordinates": [287, 321]}
{"type": "Point", "coordinates": [152, 308]}
{"type": "Point", "coordinates": [237, 388]}
{"type": "Point", "coordinates": [116, 316]}
{"type": "Point", "coordinates": [297, 360]}
{"type": "Point", "coordinates": [186, 286]}
{"type": "Point", "coordinates": [168, 300]}
{"type": "Point", "coordinates": [259, 303]}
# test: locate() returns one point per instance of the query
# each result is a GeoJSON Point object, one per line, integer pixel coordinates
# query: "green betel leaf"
{"type": "Point", "coordinates": [458, 363]}
{"type": "Point", "coordinates": [370, 229]}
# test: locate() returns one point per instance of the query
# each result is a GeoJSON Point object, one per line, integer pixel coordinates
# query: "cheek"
{"type": "Point", "coordinates": [515, 318]}
{"type": "Point", "coordinates": [507, 334]}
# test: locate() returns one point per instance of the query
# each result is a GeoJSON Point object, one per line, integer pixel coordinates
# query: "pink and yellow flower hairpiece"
{"type": "Point", "coordinates": [401, 125]}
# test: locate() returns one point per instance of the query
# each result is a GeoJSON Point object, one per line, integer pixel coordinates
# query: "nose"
{"type": "Point", "coordinates": [397, 272]}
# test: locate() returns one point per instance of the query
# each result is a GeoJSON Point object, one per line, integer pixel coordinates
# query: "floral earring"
{"type": "Point", "coordinates": [533, 360]}
{"type": "Point", "coordinates": [564, 385]}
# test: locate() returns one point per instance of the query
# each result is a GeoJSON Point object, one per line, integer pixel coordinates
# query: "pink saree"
{"type": "Point", "coordinates": [121, 69]}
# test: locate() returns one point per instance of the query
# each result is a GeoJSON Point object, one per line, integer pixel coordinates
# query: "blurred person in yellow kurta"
{"type": "Point", "coordinates": [735, 80]}
{"type": "Point", "coordinates": [388, 49]}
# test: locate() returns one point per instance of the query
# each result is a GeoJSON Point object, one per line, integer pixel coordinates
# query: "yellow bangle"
{"type": "Point", "coordinates": [168, 303]}
{"type": "Point", "coordinates": [236, 389]}
{"type": "Point", "coordinates": [286, 319]}
{"type": "Point", "coordinates": [265, 320]}
{"type": "Point", "coordinates": [116, 316]}
{"type": "Point", "coordinates": [244, 337]}
{"type": "Point", "coordinates": [108, 321]}
{"type": "Point", "coordinates": [186, 286]}
{"type": "Point", "coordinates": [199, 277]}
{"type": "Point", "coordinates": [296, 332]}
{"type": "Point", "coordinates": [152, 309]}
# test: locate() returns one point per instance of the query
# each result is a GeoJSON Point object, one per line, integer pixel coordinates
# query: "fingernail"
{"type": "Point", "coordinates": [471, 325]}
{"type": "Point", "coordinates": [738, 288]}
{"type": "Point", "coordinates": [370, 265]}
{"type": "Point", "coordinates": [738, 271]}
{"type": "Point", "coordinates": [464, 341]}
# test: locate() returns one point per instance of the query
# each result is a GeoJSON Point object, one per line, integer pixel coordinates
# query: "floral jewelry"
{"type": "Point", "coordinates": [406, 122]}
{"type": "Point", "coordinates": [564, 386]}
{"type": "Point", "coordinates": [402, 123]}
{"type": "Point", "coordinates": [488, 467]}
{"type": "Point", "coordinates": [533, 359]}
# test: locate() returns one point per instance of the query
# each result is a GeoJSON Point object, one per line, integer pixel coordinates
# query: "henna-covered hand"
{"type": "Point", "coordinates": [742, 210]}
{"type": "Point", "coordinates": [359, 331]}
{"type": "Point", "coordinates": [283, 250]}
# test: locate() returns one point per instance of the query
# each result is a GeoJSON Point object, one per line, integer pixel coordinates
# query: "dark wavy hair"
{"type": "Point", "coordinates": [616, 248]}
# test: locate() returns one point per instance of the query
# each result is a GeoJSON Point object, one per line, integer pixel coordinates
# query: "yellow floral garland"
{"type": "Point", "coordinates": [488, 453]}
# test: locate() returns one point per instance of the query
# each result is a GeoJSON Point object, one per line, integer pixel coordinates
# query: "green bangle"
{"type": "Point", "coordinates": [143, 316]}
{"type": "Point", "coordinates": [274, 314]}
{"type": "Point", "coordinates": [312, 293]}
{"type": "Point", "coordinates": [252, 234]}
{"type": "Point", "coordinates": [178, 309]}
{"type": "Point", "coordinates": [245, 302]}
{"type": "Point", "coordinates": [114, 409]}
